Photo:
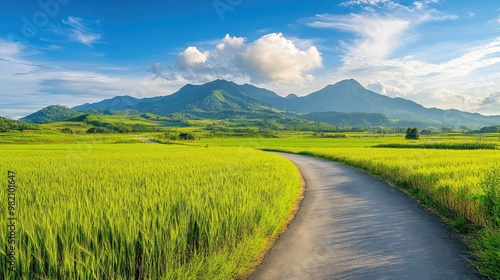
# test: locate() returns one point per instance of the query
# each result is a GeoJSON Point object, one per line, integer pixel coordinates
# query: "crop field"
{"type": "Point", "coordinates": [207, 208]}
{"type": "Point", "coordinates": [105, 211]}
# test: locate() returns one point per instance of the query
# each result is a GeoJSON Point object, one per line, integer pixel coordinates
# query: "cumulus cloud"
{"type": "Point", "coordinates": [385, 89]}
{"type": "Point", "coordinates": [270, 59]}
{"type": "Point", "coordinates": [191, 58]}
{"type": "Point", "coordinates": [274, 58]}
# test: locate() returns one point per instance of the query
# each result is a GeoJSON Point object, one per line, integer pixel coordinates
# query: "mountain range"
{"type": "Point", "coordinates": [224, 99]}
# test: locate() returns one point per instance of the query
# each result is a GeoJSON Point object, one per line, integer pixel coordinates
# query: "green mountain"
{"type": "Point", "coordinates": [217, 99]}
{"type": "Point", "coordinates": [54, 113]}
{"type": "Point", "coordinates": [349, 96]}
{"type": "Point", "coordinates": [222, 99]}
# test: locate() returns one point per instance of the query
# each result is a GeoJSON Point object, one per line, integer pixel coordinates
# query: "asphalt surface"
{"type": "Point", "coordinates": [351, 225]}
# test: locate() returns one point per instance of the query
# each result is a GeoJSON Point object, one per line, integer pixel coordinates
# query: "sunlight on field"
{"type": "Point", "coordinates": [161, 212]}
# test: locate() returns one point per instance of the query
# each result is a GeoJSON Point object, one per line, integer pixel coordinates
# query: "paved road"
{"type": "Point", "coordinates": [353, 226]}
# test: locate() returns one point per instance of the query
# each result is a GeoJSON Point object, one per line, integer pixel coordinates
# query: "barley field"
{"type": "Point", "coordinates": [140, 211]}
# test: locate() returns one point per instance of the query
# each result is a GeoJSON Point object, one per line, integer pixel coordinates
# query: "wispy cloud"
{"type": "Point", "coordinates": [462, 82]}
{"type": "Point", "coordinates": [377, 35]}
{"type": "Point", "coordinates": [78, 30]}
{"type": "Point", "coordinates": [381, 56]}
{"type": "Point", "coordinates": [29, 85]}
{"type": "Point", "coordinates": [497, 20]}
{"type": "Point", "coordinates": [9, 49]}
{"type": "Point", "coordinates": [382, 28]}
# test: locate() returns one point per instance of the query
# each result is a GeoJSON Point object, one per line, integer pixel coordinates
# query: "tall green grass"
{"type": "Point", "coordinates": [142, 211]}
{"type": "Point", "coordinates": [441, 146]}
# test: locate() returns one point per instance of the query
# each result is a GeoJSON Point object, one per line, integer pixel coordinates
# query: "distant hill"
{"type": "Point", "coordinates": [7, 124]}
{"type": "Point", "coordinates": [349, 96]}
{"type": "Point", "coordinates": [118, 103]}
{"type": "Point", "coordinates": [221, 99]}
{"type": "Point", "coordinates": [349, 119]}
{"type": "Point", "coordinates": [54, 113]}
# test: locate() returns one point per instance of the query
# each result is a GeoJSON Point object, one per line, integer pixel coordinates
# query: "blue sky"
{"type": "Point", "coordinates": [440, 53]}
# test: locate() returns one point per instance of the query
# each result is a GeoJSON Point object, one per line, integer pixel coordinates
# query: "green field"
{"type": "Point", "coordinates": [455, 175]}
{"type": "Point", "coordinates": [205, 209]}
{"type": "Point", "coordinates": [98, 211]}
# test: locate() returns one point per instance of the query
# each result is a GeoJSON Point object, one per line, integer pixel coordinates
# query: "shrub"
{"type": "Point", "coordinates": [98, 130]}
{"type": "Point", "coordinates": [67, 130]}
{"type": "Point", "coordinates": [412, 134]}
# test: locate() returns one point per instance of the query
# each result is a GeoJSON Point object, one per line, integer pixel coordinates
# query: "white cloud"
{"type": "Point", "coordinates": [461, 82]}
{"type": "Point", "coordinates": [382, 88]}
{"type": "Point", "coordinates": [78, 30]}
{"type": "Point", "coordinates": [378, 36]}
{"type": "Point", "coordinates": [497, 20]}
{"type": "Point", "coordinates": [364, 2]}
{"type": "Point", "coordinates": [269, 59]}
{"type": "Point", "coordinates": [381, 57]}
{"type": "Point", "coordinates": [273, 58]}
{"type": "Point", "coordinates": [8, 49]}
{"type": "Point", "coordinates": [231, 42]}
{"type": "Point", "coordinates": [424, 3]}
{"type": "Point", "coordinates": [381, 29]}
{"type": "Point", "coordinates": [28, 85]}
{"type": "Point", "coordinates": [191, 58]}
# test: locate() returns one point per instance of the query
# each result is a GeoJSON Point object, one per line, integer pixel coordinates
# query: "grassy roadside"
{"type": "Point", "coordinates": [248, 270]}
{"type": "Point", "coordinates": [471, 207]}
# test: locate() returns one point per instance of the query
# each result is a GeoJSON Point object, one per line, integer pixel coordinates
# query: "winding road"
{"type": "Point", "coordinates": [351, 225]}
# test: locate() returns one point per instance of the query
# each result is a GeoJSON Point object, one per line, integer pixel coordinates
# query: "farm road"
{"type": "Point", "coordinates": [147, 140]}
{"type": "Point", "coordinates": [353, 226]}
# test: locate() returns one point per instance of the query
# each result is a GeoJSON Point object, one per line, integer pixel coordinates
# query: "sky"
{"type": "Point", "coordinates": [439, 53]}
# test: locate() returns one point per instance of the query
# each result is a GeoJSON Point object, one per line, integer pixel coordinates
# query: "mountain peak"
{"type": "Point", "coordinates": [349, 83]}
{"type": "Point", "coordinates": [221, 82]}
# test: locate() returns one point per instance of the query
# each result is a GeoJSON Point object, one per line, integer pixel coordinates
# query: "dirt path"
{"type": "Point", "coordinates": [353, 226]}
{"type": "Point", "coordinates": [147, 140]}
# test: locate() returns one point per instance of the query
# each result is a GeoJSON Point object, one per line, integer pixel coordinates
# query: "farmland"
{"type": "Point", "coordinates": [103, 211]}
{"type": "Point", "coordinates": [456, 176]}
{"type": "Point", "coordinates": [188, 207]}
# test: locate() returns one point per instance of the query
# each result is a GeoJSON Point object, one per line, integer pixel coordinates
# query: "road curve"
{"type": "Point", "coordinates": [351, 225]}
